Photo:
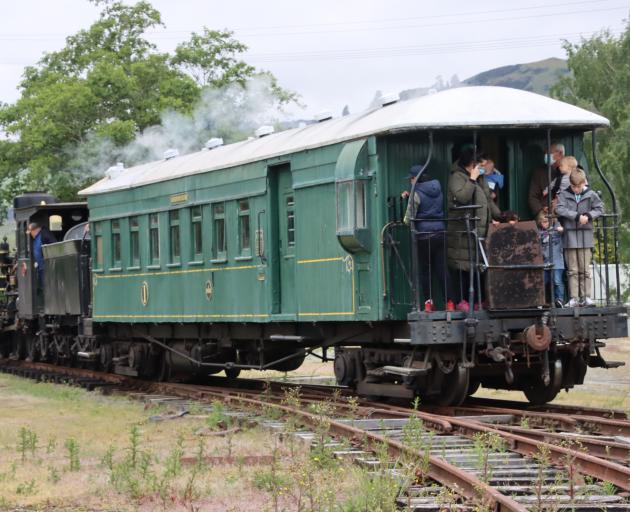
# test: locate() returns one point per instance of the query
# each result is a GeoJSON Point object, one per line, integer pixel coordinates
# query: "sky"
{"type": "Point", "coordinates": [335, 52]}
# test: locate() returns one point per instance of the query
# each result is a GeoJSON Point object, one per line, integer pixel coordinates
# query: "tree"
{"type": "Point", "coordinates": [210, 58]}
{"type": "Point", "coordinates": [600, 81]}
{"type": "Point", "coordinates": [105, 87]}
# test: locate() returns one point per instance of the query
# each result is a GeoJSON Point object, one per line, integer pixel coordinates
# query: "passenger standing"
{"type": "Point", "coordinates": [551, 236]}
{"type": "Point", "coordinates": [540, 181]}
{"type": "Point", "coordinates": [466, 186]}
{"type": "Point", "coordinates": [426, 209]}
{"type": "Point", "coordinates": [492, 176]}
{"type": "Point", "coordinates": [577, 207]}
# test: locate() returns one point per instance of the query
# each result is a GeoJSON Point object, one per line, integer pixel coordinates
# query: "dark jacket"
{"type": "Point", "coordinates": [464, 191]}
{"type": "Point", "coordinates": [537, 185]}
{"type": "Point", "coordinates": [427, 202]}
{"type": "Point", "coordinates": [576, 235]}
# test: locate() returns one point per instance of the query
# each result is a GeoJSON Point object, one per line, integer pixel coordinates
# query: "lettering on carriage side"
{"type": "Point", "coordinates": [182, 197]}
{"type": "Point", "coordinates": [144, 293]}
{"type": "Point", "coordinates": [209, 289]}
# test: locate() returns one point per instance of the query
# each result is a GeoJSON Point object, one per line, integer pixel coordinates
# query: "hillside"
{"type": "Point", "coordinates": [534, 76]}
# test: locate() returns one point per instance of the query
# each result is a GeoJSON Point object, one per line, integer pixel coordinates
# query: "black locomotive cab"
{"type": "Point", "coordinates": [56, 220]}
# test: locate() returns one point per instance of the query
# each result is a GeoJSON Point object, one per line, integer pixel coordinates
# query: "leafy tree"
{"type": "Point", "coordinates": [105, 87]}
{"type": "Point", "coordinates": [600, 81]}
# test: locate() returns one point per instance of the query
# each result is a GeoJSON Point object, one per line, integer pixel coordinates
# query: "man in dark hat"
{"type": "Point", "coordinates": [425, 215]}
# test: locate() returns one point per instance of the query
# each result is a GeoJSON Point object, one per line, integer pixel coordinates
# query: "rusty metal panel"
{"type": "Point", "coordinates": [514, 245]}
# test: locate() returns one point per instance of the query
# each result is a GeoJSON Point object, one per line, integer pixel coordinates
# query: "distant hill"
{"type": "Point", "coordinates": [534, 76]}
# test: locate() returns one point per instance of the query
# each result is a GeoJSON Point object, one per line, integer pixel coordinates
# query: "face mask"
{"type": "Point", "coordinates": [549, 159]}
{"type": "Point", "coordinates": [482, 171]}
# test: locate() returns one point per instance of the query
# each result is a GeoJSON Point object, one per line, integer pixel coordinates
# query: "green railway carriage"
{"type": "Point", "coordinates": [253, 254]}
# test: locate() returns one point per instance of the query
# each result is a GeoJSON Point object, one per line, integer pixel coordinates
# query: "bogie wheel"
{"type": "Point", "coordinates": [454, 387]}
{"type": "Point", "coordinates": [232, 373]}
{"type": "Point", "coordinates": [539, 394]}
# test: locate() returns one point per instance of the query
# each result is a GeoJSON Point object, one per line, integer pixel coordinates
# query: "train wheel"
{"type": "Point", "coordinates": [538, 394]}
{"type": "Point", "coordinates": [454, 387]}
{"type": "Point", "coordinates": [106, 355]}
{"type": "Point", "coordinates": [164, 368]}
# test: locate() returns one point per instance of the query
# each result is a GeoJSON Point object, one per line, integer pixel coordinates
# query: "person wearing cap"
{"type": "Point", "coordinates": [425, 214]}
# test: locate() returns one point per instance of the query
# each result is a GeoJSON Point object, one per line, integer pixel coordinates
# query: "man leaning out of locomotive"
{"type": "Point", "coordinates": [577, 207]}
{"type": "Point", "coordinates": [467, 186]}
{"type": "Point", "coordinates": [41, 236]}
{"type": "Point", "coordinates": [427, 203]}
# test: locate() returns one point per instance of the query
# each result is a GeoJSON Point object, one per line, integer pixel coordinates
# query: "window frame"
{"type": "Point", "coordinates": [154, 227]}
{"type": "Point", "coordinates": [243, 210]}
{"type": "Point", "coordinates": [219, 219]}
{"type": "Point", "coordinates": [196, 233]}
{"type": "Point", "coordinates": [99, 253]}
{"type": "Point", "coordinates": [116, 245]}
{"type": "Point", "coordinates": [174, 227]}
{"type": "Point", "coordinates": [134, 235]}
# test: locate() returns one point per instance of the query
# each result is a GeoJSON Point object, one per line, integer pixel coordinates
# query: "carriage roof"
{"type": "Point", "coordinates": [460, 108]}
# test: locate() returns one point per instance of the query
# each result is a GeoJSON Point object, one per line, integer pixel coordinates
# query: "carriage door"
{"type": "Point", "coordinates": [282, 239]}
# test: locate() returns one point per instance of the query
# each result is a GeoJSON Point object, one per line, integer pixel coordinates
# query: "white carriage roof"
{"type": "Point", "coordinates": [464, 107]}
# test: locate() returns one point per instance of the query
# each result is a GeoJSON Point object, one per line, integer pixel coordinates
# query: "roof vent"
{"type": "Point", "coordinates": [263, 131]}
{"type": "Point", "coordinates": [323, 116]}
{"type": "Point", "coordinates": [388, 99]}
{"type": "Point", "coordinates": [214, 142]}
{"type": "Point", "coordinates": [115, 170]}
{"type": "Point", "coordinates": [170, 153]}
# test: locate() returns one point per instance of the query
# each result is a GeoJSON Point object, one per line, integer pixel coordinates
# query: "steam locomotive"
{"type": "Point", "coordinates": [256, 254]}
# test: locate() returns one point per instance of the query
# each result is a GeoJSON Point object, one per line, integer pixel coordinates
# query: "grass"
{"type": "Point", "coordinates": [66, 449]}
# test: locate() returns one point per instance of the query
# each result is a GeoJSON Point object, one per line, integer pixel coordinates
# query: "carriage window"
{"type": "Point", "coordinates": [290, 221]}
{"type": "Point", "coordinates": [195, 215]}
{"type": "Point", "coordinates": [243, 228]}
{"type": "Point", "coordinates": [116, 243]}
{"type": "Point", "coordinates": [98, 245]}
{"type": "Point", "coordinates": [175, 244]}
{"type": "Point", "coordinates": [154, 239]}
{"type": "Point", "coordinates": [351, 205]}
{"type": "Point", "coordinates": [218, 245]}
{"type": "Point", "coordinates": [55, 223]}
{"type": "Point", "coordinates": [134, 242]}
{"type": "Point", "coordinates": [345, 206]}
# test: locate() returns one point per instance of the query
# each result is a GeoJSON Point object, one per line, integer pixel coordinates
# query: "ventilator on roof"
{"type": "Point", "coordinates": [115, 170]}
{"type": "Point", "coordinates": [170, 153]}
{"type": "Point", "coordinates": [388, 99]}
{"type": "Point", "coordinates": [214, 142]}
{"type": "Point", "coordinates": [323, 116]}
{"type": "Point", "coordinates": [263, 131]}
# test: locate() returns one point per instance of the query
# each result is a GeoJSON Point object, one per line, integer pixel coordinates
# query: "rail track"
{"type": "Point", "coordinates": [493, 456]}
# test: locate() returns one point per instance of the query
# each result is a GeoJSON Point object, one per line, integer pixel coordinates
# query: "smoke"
{"type": "Point", "coordinates": [232, 112]}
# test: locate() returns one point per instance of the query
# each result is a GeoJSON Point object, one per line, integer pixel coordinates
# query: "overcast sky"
{"type": "Point", "coordinates": [335, 52]}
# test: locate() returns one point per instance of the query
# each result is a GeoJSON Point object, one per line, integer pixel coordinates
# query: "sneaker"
{"type": "Point", "coordinates": [573, 303]}
{"type": "Point", "coordinates": [588, 302]}
{"type": "Point", "coordinates": [428, 305]}
{"type": "Point", "coordinates": [463, 306]}
{"type": "Point", "coordinates": [450, 305]}
{"type": "Point", "coordinates": [559, 303]}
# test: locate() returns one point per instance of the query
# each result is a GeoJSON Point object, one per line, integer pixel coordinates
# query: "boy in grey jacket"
{"type": "Point", "coordinates": [577, 207]}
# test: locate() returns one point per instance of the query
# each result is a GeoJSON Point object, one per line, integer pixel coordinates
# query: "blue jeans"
{"type": "Point", "coordinates": [558, 282]}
